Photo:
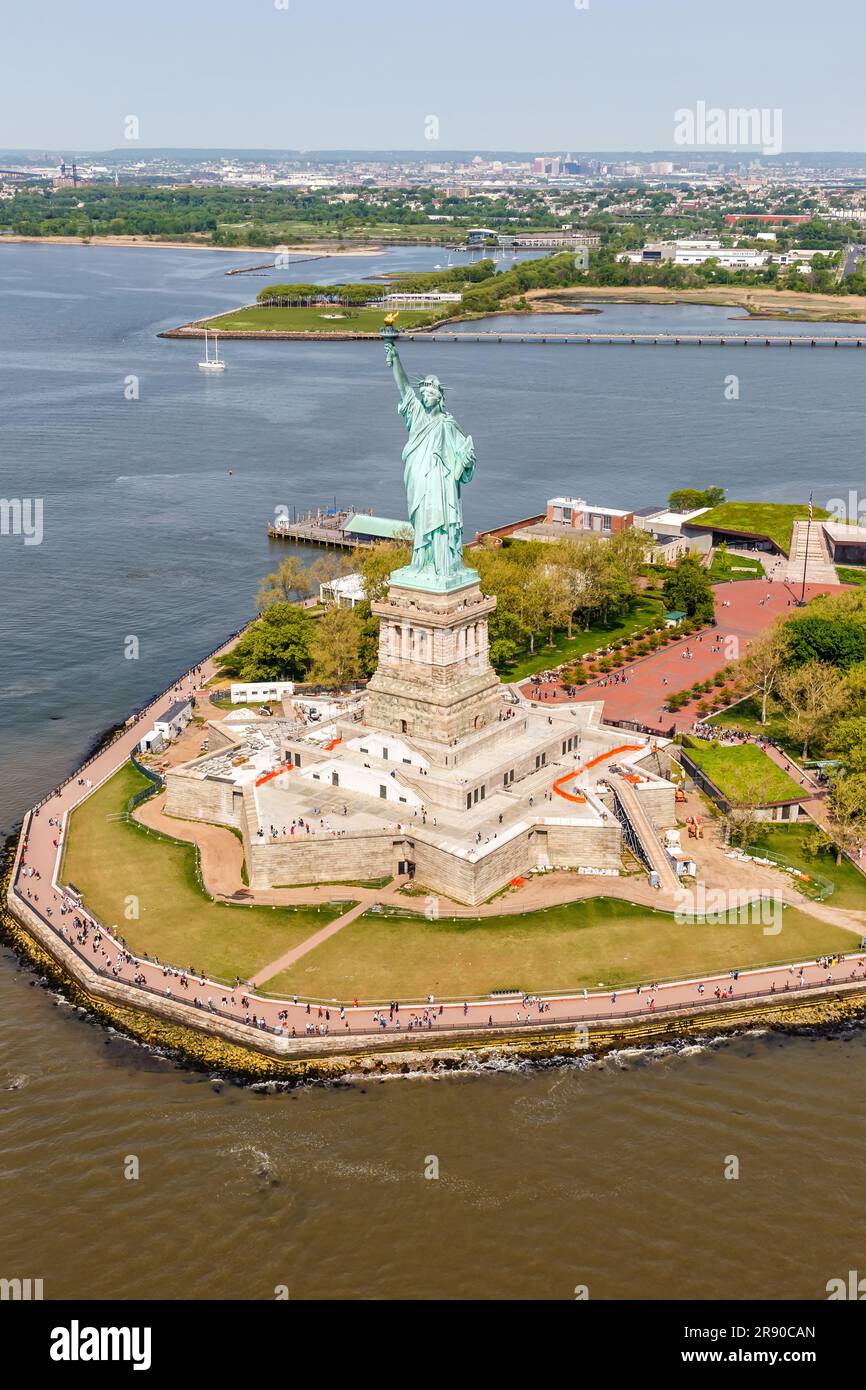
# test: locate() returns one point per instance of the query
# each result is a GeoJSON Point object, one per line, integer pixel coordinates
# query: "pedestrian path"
{"type": "Point", "coordinates": [289, 958]}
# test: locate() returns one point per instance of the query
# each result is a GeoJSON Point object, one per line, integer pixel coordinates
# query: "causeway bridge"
{"type": "Point", "coordinates": [783, 340]}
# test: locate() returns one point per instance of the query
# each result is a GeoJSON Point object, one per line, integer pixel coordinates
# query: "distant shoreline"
{"type": "Point", "coordinates": [756, 302]}
{"type": "Point", "coordinates": [321, 248]}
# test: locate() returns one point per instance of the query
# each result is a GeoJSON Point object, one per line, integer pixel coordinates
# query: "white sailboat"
{"type": "Point", "coordinates": [212, 364]}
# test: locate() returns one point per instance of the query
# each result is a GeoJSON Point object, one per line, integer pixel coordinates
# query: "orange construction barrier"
{"type": "Point", "coordinates": [559, 784]}
{"type": "Point", "coordinates": [260, 781]}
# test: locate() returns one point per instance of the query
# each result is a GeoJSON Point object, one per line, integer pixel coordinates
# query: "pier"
{"type": "Point", "coordinates": [319, 528]}
{"type": "Point", "coordinates": [800, 340]}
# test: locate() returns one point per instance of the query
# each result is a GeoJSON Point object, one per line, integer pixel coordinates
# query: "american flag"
{"type": "Point", "coordinates": [810, 506]}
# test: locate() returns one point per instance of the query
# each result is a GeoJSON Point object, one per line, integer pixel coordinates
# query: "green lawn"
{"type": "Point", "coordinates": [643, 611]}
{"type": "Point", "coordinates": [597, 942]}
{"type": "Point", "coordinates": [747, 715]}
{"type": "Point", "coordinates": [848, 574]}
{"type": "Point", "coordinates": [773, 519]}
{"type": "Point", "coordinates": [785, 842]}
{"type": "Point", "coordinates": [312, 320]}
{"type": "Point", "coordinates": [111, 859]}
{"type": "Point", "coordinates": [743, 773]}
{"type": "Point", "coordinates": [726, 566]}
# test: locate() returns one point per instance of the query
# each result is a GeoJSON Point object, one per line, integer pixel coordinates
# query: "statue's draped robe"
{"type": "Point", "coordinates": [438, 458]}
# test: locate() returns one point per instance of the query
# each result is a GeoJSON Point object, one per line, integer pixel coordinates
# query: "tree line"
{"type": "Point", "coordinates": [808, 672]}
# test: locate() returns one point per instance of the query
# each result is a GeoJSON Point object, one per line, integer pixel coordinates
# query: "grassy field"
{"type": "Point", "coordinates": [745, 775]}
{"type": "Point", "coordinates": [110, 859]}
{"type": "Point", "coordinates": [786, 842]}
{"type": "Point", "coordinates": [643, 611]}
{"type": "Point", "coordinates": [773, 519]}
{"type": "Point", "coordinates": [315, 319]}
{"type": "Point", "coordinates": [727, 566]}
{"type": "Point", "coordinates": [848, 574]}
{"type": "Point", "coordinates": [596, 943]}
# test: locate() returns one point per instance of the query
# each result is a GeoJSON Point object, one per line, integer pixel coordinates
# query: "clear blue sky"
{"type": "Point", "coordinates": [364, 74]}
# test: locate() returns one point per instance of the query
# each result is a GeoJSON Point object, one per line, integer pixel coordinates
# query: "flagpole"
{"type": "Point", "coordinates": [802, 600]}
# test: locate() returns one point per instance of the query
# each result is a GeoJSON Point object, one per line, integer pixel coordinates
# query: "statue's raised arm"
{"type": "Point", "coordinates": [392, 357]}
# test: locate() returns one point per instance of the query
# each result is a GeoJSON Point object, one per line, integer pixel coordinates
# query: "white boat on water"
{"type": "Point", "coordinates": [212, 364]}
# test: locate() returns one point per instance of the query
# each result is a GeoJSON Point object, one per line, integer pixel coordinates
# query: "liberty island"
{"type": "Point", "coordinates": [438, 773]}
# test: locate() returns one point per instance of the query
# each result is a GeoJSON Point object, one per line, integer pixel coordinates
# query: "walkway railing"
{"type": "Point", "coordinates": [137, 718]}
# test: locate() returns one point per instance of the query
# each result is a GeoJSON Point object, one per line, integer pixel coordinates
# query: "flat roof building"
{"type": "Point", "coordinates": [345, 592]}
{"type": "Point", "coordinates": [575, 514]}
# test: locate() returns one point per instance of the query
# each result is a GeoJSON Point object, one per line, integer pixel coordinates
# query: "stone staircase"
{"type": "Point", "coordinates": [645, 831]}
{"type": "Point", "coordinates": [819, 567]}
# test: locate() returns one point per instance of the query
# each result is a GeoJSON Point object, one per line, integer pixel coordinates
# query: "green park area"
{"type": "Point", "coordinates": [726, 566]}
{"type": "Point", "coordinates": [746, 715]}
{"type": "Point", "coordinates": [851, 574]}
{"type": "Point", "coordinates": [595, 943]}
{"type": "Point", "coordinates": [790, 844]}
{"type": "Point", "coordinates": [643, 610]}
{"type": "Point", "coordinates": [772, 519]}
{"type": "Point", "coordinates": [314, 318]}
{"type": "Point", "coordinates": [744, 774]}
{"type": "Point", "coordinates": [113, 860]}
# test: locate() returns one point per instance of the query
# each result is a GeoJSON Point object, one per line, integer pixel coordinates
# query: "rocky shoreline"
{"type": "Point", "coordinates": [544, 1046]}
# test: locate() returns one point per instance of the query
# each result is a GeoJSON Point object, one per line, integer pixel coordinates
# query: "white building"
{"type": "Point", "coordinates": [728, 257]}
{"type": "Point", "coordinates": [151, 742]}
{"type": "Point", "coordinates": [173, 720]}
{"type": "Point", "coordinates": [259, 692]}
{"type": "Point", "coordinates": [427, 299]}
{"type": "Point", "coordinates": [345, 592]}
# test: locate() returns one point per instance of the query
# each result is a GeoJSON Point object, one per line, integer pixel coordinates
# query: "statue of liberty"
{"type": "Point", "coordinates": [438, 459]}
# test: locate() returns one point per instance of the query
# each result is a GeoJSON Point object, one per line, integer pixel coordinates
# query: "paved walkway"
{"type": "Point", "coordinates": [744, 609]}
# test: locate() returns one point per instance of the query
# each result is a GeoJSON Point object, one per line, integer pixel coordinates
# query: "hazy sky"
{"type": "Point", "coordinates": [518, 74]}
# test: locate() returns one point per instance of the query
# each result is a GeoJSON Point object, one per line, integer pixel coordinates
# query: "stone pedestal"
{"type": "Point", "coordinates": [434, 682]}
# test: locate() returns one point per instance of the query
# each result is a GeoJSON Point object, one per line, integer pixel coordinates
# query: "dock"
{"type": "Point", "coordinates": [319, 528]}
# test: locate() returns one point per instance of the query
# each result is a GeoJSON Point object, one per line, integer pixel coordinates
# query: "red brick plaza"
{"type": "Point", "coordinates": [744, 609]}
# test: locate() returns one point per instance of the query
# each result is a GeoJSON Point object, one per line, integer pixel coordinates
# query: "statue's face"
{"type": "Point", "coordinates": [430, 391]}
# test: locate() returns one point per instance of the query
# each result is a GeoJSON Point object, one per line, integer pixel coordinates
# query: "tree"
{"type": "Point", "coordinates": [275, 647]}
{"type": "Point", "coordinates": [811, 694]}
{"type": "Point", "coordinates": [848, 810]}
{"type": "Point", "coordinates": [764, 662]}
{"type": "Point", "coordinates": [335, 648]}
{"type": "Point", "coordinates": [688, 499]}
{"type": "Point", "coordinates": [631, 549]}
{"type": "Point", "coordinates": [848, 739]}
{"type": "Point", "coordinates": [374, 563]}
{"type": "Point", "coordinates": [291, 579]}
{"type": "Point", "coordinates": [836, 641]}
{"type": "Point", "coordinates": [688, 587]}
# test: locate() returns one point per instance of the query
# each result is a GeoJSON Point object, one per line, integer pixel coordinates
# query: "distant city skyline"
{"type": "Point", "coordinates": [609, 78]}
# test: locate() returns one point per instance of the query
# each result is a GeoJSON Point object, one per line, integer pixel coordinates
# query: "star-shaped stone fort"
{"type": "Point", "coordinates": [437, 771]}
